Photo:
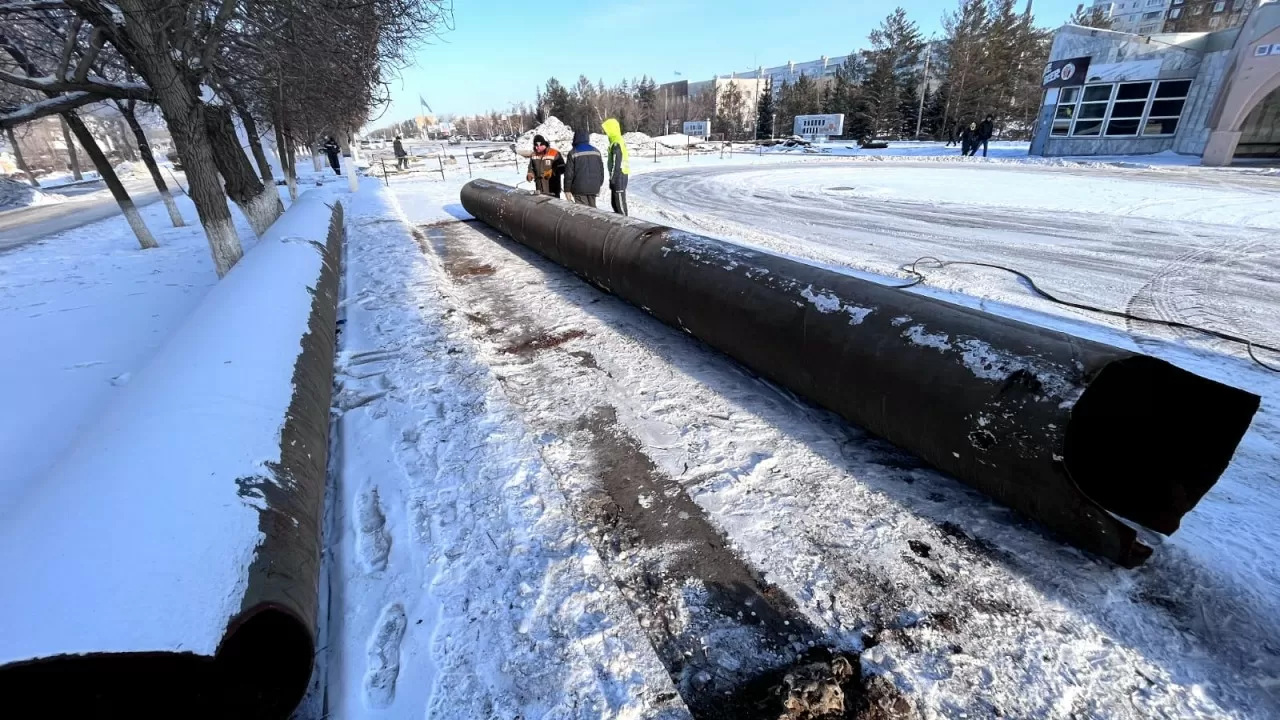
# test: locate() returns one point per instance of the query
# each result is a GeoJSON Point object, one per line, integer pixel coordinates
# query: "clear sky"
{"type": "Point", "coordinates": [500, 51]}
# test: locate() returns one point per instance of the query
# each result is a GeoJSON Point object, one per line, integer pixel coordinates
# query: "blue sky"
{"type": "Point", "coordinates": [500, 51]}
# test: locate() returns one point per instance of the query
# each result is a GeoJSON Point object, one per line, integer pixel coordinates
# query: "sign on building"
{"type": "Point", "coordinates": [698, 128]}
{"type": "Point", "coordinates": [1064, 73]}
{"type": "Point", "coordinates": [811, 127]}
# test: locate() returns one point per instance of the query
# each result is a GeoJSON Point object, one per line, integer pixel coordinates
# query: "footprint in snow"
{"type": "Point", "coordinates": [373, 544]}
{"type": "Point", "coordinates": [384, 657]}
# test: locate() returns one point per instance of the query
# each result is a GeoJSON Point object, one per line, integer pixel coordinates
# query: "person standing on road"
{"type": "Point", "coordinates": [619, 166]}
{"type": "Point", "coordinates": [583, 170]}
{"type": "Point", "coordinates": [330, 148]}
{"type": "Point", "coordinates": [985, 131]}
{"type": "Point", "coordinates": [953, 128]}
{"type": "Point", "coordinates": [402, 157]}
{"type": "Point", "coordinates": [545, 167]}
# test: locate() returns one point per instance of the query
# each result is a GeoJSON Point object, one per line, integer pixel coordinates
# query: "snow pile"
{"type": "Point", "coordinates": [557, 133]}
{"type": "Point", "coordinates": [15, 194]}
{"type": "Point", "coordinates": [130, 169]}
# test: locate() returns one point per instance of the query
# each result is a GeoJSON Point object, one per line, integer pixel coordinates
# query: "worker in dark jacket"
{"type": "Point", "coordinates": [619, 165]}
{"type": "Point", "coordinates": [545, 167]}
{"type": "Point", "coordinates": [583, 170]}
{"type": "Point", "coordinates": [402, 157]}
{"type": "Point", "coordinates": [985, 131]}
{"type": "Point", "coordinates": [330, 148]}
{"type": "Point", "coordinates": [969, 139]}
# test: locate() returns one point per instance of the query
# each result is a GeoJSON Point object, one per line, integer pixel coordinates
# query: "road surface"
{"type": "Point", "coordinates": [19, 227]}
{"type": "Point", "coordinates": [1167, 257]}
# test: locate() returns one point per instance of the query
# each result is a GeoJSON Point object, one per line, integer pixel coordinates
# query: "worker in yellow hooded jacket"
{"type": "Point", "coordinates": [619, 165]}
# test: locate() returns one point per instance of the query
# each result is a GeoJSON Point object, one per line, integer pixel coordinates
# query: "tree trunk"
{"type": "Point", "coordinates": [260, 204]}
{"type": "Point", "coordinates": [255, 145]}
{"type": "Point", "coordinates": [71, 151]}
{"type": "Point", "coordinates": [17, 157]}
{"type": "Point", "coordinates": [126, 147]}
{"type": "Point", "coordinates": [148, 159]}
{"type": "Point", "coordinates": [108, 174]}
{"type": "Point", "coordinates": [284, 146]}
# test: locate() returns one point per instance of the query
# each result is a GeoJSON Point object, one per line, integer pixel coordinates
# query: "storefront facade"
{"type": "Point", "coordinates": [1209, 94]}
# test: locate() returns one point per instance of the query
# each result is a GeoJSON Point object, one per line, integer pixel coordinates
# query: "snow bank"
{"type": "Point", "coordinates": [184, 522]}
{"type": "Point", "coordinates": [15, 195]}
{"type": "Point", "coordinates": [557, 133]}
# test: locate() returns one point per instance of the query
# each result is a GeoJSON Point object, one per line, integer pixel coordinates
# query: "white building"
{"type": "Point", "coordinates": [1141, 17]}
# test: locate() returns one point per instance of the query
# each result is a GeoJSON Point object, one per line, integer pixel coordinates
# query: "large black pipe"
{"type": "Point", "coordinates": [1070, 432]}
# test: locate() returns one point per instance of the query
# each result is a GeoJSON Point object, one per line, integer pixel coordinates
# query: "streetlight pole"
{"type": "Point", "coordinates": [773, 125]}
{"type": "Point", "coordinates": [925, 89]}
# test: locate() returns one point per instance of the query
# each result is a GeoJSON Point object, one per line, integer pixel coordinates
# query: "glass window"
{"type": "Point", "coordinates": [1197, 10]}
{"type": "Point", "coordinates": [1177, 2]}
{"type": "Point", "coordinates": [1175, 13]}
{"type": "Point", "coordinates": [1220, 6]}
{"type": "Point", "coordinates": [1061, 128]}
{"type": "Point", "coordinates": [1093, 111]}
{"type": "Point", "coordinates": [1133, 91]}
{"type": "Point", "coordinates": [1123, 127]}
{"type": "Point", "coordinates": [1065, 112]}
{"type": "Point", "coordinates": [1215, 23]}
{"type": "Point", "coordinates": [1173, 89]}
{"type": "Point", "coordinates": [1098, 93]}
{"type": "Point", "coordinates": [1161, 126]}
{"type": "Point", "coordinates": [1167, 108]}
{"type": "Point", "coordinates": [1070, 94]}
{"type": "Point", "coordinates": [1128, 109]}
{"type": "Point", "coordinates": [1150, 15]}
{"type": "Point", "coordinates": [1086, 128]}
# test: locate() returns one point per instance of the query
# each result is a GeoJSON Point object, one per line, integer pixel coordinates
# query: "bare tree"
{"type": "Point", "coordinates": [128, 109]}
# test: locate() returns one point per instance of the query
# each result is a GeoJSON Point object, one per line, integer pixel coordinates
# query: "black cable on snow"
{"type": "Point", "coordinates": [919, 278]}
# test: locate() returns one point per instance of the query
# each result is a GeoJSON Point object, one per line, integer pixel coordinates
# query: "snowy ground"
{"type": "Point", "coordinates": [649, 446]}
{"type": "Point", "coordinates": [548, 504]}
{"type": "Point", "coordinates": [83, 309]}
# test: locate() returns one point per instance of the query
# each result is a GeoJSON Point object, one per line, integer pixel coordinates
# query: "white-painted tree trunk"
{"type": "Point", "coordinates": [140, 229]}
{"type": "Point", "coordinates": [315, 161]}
{"type": "Point", "coordinates": [293, 188]}
{"type": "Point", "coordinates": [353, 181]}
{"type": "Point", "coordinates": [224, 244]}
{"type": "Point", "coordinates": [172, 206]}
{"type": "Point", "coordinates": [263, 210]}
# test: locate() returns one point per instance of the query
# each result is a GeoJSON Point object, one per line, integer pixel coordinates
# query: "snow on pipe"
{"type": "Point", "coordinates": [168, 566]}
{"type": "Point", "coordinates": [1070, 432]}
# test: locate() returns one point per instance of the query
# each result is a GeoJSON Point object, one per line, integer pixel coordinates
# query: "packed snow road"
{"type": "Point", "coordinates": [1175, 245]}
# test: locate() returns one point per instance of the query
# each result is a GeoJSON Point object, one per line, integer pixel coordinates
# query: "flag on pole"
{"type": "Point", "coordinates": [678, 73]}
{"type": "Point", "coordinates": [424, 104]}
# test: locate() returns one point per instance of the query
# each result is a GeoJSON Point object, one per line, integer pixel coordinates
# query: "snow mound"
{"type": "Point", "coordinates": [557, 133]}
{"type": "Point", "coordinates": [14, 195]}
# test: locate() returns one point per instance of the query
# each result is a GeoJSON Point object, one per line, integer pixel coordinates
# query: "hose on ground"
{"type": "Point", "coordinates": [919, 278]}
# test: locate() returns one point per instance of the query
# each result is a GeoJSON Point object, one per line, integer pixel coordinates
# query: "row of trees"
{"type": "Point", "coordinates": [291, 69]}
{"type": "Point", "coordinates": [988, 61]}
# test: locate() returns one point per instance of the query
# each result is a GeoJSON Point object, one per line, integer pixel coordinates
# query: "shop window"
{"type": "Point", "coordinates": [1166, 108]}
{"type": "Point", "coordinates": [1065, 112]}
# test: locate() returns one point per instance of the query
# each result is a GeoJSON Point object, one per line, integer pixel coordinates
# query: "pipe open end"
{"type": "Point", "coordinates": [261, 671]}
{"type": "Point", "coordinates": [1147, 439]}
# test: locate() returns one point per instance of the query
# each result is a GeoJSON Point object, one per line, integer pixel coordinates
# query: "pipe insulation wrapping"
{"type": "Point", "coordinates": [169, 565]}
{"type": "Point", "coordinates": [1075, 434]}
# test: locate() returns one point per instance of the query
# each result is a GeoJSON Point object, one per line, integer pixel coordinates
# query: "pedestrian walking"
{"type": "Point", "coordinates": [330, 148]}
{"type": "Point", "coordinates": [545, 167]}
{"type": "Point", "coordinates": [952, 130]}
{"type": "Point", "coordinates": [402, 157]}
{"type": "Point", "coordinates": [583, 170]}
{"type": "Point", "coordinates": [969, 139]}
{"type": "Point", "coordinates": [619, 166]}
{"type": "Point", "coordinates": [985, 131]}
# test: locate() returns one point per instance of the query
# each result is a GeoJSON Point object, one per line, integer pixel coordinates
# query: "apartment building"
{"type": "Point", "coordinates": [1140, 17]}
{"type": "Point", "coordinates": [1206, 15]}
